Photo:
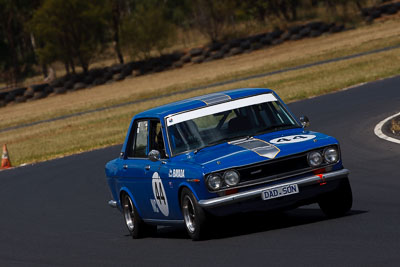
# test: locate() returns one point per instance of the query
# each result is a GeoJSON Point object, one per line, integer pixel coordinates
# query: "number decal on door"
{"type": "Point", "coordinates": [159, 194]}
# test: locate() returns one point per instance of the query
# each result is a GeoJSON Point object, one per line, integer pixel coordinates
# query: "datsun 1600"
{"type": "Point", "coordinates": [219, 154]}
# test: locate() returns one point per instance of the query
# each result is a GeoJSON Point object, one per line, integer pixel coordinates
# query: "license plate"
{"type": "Point", "coordinates": [280, 191]}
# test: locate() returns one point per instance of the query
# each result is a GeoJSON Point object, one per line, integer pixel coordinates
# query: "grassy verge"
{"type": "Point", "coordinates": [108, 127]}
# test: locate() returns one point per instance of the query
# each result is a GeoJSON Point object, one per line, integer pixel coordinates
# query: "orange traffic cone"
{"type": "Point", "coordinates": [5, 161]}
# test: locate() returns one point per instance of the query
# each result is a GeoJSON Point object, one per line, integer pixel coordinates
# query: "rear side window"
{"type": "Point", "coordinates": [141, 140]}
{"type": "Point", "coordinates": [137, 147]}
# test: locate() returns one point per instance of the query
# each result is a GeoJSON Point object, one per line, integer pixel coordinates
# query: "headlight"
{"type": "Point", "coordinates": [331, 155]}
{"type": "Point", "coordinates": [231, 178]}
{"type": "Point", "coordinates": [314, 159]}
{"type": "Point", "coordinates": [214, 181]}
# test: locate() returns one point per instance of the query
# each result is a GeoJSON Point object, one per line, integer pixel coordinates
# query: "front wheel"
{"type": "Point", "coordinates": [193, 215]}
{"type": "Point", "coordinates": [338, 202]}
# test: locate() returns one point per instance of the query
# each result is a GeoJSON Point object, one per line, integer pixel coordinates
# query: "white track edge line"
{"type": "Point", "coordinates": [378, 130]}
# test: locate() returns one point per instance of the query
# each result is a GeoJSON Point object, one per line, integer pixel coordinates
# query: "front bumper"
{"type": "Point", "coordinates": [256, 193]}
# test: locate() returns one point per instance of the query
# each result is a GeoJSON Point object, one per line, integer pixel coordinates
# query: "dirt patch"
{"type": "Point", "coordinates": [395, 126]}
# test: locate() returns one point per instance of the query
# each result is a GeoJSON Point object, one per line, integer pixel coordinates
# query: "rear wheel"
{"type": "Point", "coordinates": [133, 222]}
{"type": "Point", "coordinates": [193, 215]}
{"type": "Point", "coordinates": [338, 202]}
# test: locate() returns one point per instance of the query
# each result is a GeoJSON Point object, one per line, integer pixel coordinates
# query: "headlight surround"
{"type": "Point", "coordinates": [222, 181]}
{"type": "Point", "coordinates": [331, 155]}
{"type": "Point", "coordinates": [214, 181]}
{"type": "Point", "coordinates": [315, 159]}
{"type": "Point", "coordinates": [231, 178]}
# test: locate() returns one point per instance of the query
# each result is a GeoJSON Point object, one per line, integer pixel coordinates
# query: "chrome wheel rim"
{"type": "Point", "coordinates": [189, 214]}
{"type": "Point", "coordinates": [129, 213]}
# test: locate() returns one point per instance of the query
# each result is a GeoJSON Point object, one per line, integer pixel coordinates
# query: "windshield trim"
{"type": "Point", "coordinates": [220, 107]}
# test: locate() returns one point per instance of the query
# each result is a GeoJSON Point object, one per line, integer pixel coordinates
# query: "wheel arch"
{"type": "Point", "coordinates": [190, 188]}
{"type": "Point", "coordinates": [125, 191]}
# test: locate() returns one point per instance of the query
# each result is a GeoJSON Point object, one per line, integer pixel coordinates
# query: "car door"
{"type": "Point", "coordinates": [140, 175]}
{"type": "Point", "coordinates": [136, 168]}
{"type": "Point", "coordinates": [157, 172]}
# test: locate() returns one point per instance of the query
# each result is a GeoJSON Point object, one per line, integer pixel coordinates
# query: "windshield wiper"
{"type": "Point", "coordinates": [223, 140]}
{"type": "Point", "coordinates": [277, 127]}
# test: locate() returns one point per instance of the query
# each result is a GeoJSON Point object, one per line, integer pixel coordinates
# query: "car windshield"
{"type": "Point", "coordinates": [192, 131]}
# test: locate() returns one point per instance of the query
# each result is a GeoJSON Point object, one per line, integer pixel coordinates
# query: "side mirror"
{"type": "Point", "coordinates": [305, 122]}
{"type": "Point", "coordinates": [154, 155]}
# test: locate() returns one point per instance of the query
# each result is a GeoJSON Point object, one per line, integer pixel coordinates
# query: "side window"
{"type": "Point", "coordinates": [156, 137]}
{"type": "Point", "coordinates": [140, 141]}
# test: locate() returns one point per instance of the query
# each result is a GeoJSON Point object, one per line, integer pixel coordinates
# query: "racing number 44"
{"type": "Point", "coordinates": [159, 193]}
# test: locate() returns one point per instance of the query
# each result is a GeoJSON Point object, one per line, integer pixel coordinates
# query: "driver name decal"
{"type": "Point", "coordinates": [292, 139]}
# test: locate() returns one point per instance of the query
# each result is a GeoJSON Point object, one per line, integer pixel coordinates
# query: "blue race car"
{"type": "Point", "coordinates": [223, 153]}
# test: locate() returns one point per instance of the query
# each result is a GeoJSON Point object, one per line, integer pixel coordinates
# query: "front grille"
{"type": "Point", "coordinates": [274, 169]}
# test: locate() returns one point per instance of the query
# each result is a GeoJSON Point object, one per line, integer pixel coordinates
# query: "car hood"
{"type": "Point", "coordinates": [259, 148]}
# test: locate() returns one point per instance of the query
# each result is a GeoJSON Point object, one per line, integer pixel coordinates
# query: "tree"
{"type": "Point", "coordinates": [119, 10]}
{"type": "Point", "coordinates": [147, 29]}
{"type": "Point", "coordinates": [332, 7]}
{"type": "Point", "coordinates": [17, 54]}
{"type": "Point", "coordinates": [211, 17]}
{"type": "Point", "coordinates": [70, 31]}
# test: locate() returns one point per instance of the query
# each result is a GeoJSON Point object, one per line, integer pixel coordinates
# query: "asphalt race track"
{"type": "Point", "coordinates": [56, 212]}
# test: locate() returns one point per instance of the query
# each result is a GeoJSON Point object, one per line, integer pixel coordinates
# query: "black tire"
{"type": "Point", "coordinates": [79, 86]}
{"type": "Point", "coordinates": [186, 59]}
{"type": "Point", "coordinates": [194, 52]}
{"type": "Point", "coordinates": [194, 216]}
{"type": "Point", "coordinates": [178, 64]}
{"type": "Point", "coordinates": [305, 32]}
{"type": "Point", "coordinates": [245, 44]}
{"type": "Point", "coordinates": [295, 29]}
{"type": "Point", "coordinates": [277, 42]}
{"type": "Point", "coordinates": [60, 90]}
{"type": "Point", "coordinates": [133, 222]}
{"type": "Point", "coordinates": [99, 81]}
{"type": "Point", "coordinates": [69, 85]}
{"type": "Point", "coordinates": [88, 79]}
{"type": "Point", "coordinates": [338, 202]}
{"type": "Point", "coordinates": [267, 40]}
{"type": "Point", "coordinates": [276, 33]}
{"type": "Point", "coordinates": [20, 99]}
{"type": "Point", "coordinates": [315, 33]}
{"type": "Point", "coordinates": [218, 55]}
{"type": "Point", "coordinates": [286, 36]}
{"type": "Point", "coordinates": [391, 10]}
{"type": "Point", "coordinates": [198, 60]}
{"type": "Point", "coordinates": [214, 47]}
{"type": "Point", "coordinates": [38, 95]}
{"type": "Point", "coordinates": [29, 93]}
{"type": "Point", "coordinates": [295, 37]}
{"type": "Point", "coordinates": [375, 14]}
{"type": "Point", "coordinates": [256, 46]}
{"type": "Point", "coordinates": [235, 51]}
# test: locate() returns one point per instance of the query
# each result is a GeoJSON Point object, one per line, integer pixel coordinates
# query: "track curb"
{"type": "Point", "coordinates": [382, 130]}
